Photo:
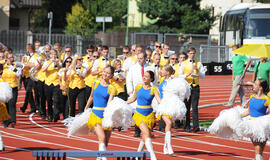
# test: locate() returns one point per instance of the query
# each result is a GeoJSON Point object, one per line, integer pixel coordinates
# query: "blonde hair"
{"type": "Point", "coordinates": [115, 61]}
{"type": "Point", "coordinates": [169, 69]}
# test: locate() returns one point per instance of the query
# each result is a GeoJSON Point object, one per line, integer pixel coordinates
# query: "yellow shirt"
{"type": "Point", "coordinates": [76, 80]}
{"type": "Point", "coordinates": [119, 86]}
{"type": "Point", "coordinates": [86, 58]}
{"type": "Point", "coordinates": [187, 68]}
{"type": "Point", "coordinates": [2, 61]}
{"type": "Point", "coordinates": [90, 79]}
{"type": "Point", "coordinates": [176, 68]}
{"type": "Point", "coordinates": [163, 61]}
{"type": "Point", "coordinates": [102, 64]}
{"type": "Point", "coordinates": [10, 77]}
{"type": "Point", "coordinates": [26, 60]}
{"type": "Point", "coordinates": [51, 74]}
{"type": "Point", "coordinates": [61, 74]}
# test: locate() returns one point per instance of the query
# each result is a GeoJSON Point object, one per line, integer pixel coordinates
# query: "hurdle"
{"type": "Point", "coordinates": [58, 154]}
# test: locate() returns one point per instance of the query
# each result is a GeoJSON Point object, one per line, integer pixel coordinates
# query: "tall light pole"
{"type": "Point", "coordinates": [50, 17]}
{"type": "Point", "coordinates": [126, 42]}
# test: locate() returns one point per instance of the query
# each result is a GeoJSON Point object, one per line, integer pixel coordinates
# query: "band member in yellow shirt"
{"type": "Point", "coordinates": [11, 74]}
{"type": "Point", "coordinates": [102, 62]}
{"type": "Point", "coordinates": [89, 52]}
{"type": "Point", "coordinates": [76, 76]}
{"type": "Point", "coordinates": [64, 83]}
{"type": "Point", "coordinates": [29, 60]}
{"type": "Point", "coordinates": [52, 90]}
{"type": "Point", "coordinates": [119, 80]}
{"type": "Point", "coordinates": [89, 78]}
{"type": "Point", "coordinates": [2, 57]}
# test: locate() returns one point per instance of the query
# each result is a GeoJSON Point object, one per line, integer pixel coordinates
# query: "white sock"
{"type": "Point", "coordinates": [168, 139]}
{"type": "Point", "coordinates": [258, 157]}
{"type": "Point", "coordinates": [1, 143]}
{"type": "Point", "coordinates": [102, 147]}
{"type": "Point", "coordinates": [149, 146]}
{"type": "Point", "coordinates": [141, 146]}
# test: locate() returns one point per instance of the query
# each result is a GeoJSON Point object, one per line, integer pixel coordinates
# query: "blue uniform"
{"type": "Point", "coordinates": [160, 88]}
{"type": "Point", "coordinates": [257, 106]}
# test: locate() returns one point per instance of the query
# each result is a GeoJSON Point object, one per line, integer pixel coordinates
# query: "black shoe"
{"type": "Point", "coordinates": [6, 124]}
{"type": "Point", "coordinates": [151, 135]}
{"type": "Point", "coordinates": [43, 117]}
{"type": "Point", "coordinates": [56, 118]}
{"type": "Point", "coordinates": [119, 129]}
{"type": "Point", "coordinates": [196, 130]}
{"type": "Point", "coordinates": [13, 124]}
{"type": "Point", "coordinates": [137, 135]}
{"type": "Point", "coordinates": [32, 110]}
{"type": "Point", "coordinates": [188, 130]}
{"type": "Point", "coordinates": [49, 119]}
{"type": "Point", "coordinates": [23, 109]}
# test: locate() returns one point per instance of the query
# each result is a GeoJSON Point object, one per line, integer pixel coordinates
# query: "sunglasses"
{"type": "Point", "coordinates": [68, 61]}
{"type": "Point", "coordinates": [158, 46]}
{"type": "Point", "coordinates": [125, 52]}
{"type": "Point", "coordinates": [173, 58]}
{"type": "Point", "coordinates": [80, 59]}
{"type": "Point", "coordinates": [90, 51]}
{"type": "Point", "coordinates": [67, 51]}
{"type": "Point", "coordinates": [95, 56]}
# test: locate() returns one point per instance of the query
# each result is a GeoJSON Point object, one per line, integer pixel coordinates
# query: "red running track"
{"type": "Point", "coordinates": [33, 133]}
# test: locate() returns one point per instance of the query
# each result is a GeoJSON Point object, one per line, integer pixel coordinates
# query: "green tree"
{"type": "Point", "coordinates": [174, 16]}
{"type": "Point", "coordinates": [80, 21]}
{"type": "Point", "coordinates": [89, 9]}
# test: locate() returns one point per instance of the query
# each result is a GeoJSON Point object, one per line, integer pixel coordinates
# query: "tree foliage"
{"type": "Point", "coordinates": [175, 15]}
{"type": "Point", "coordinates": [87, 12]}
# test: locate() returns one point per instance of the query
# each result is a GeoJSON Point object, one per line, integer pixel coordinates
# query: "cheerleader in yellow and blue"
{"type": "Point", "coordinates": [259, 105]}
{"type": "Point", "coordinates": [144, 115]}
{"type": "Point", "coordinates": [166, 73]}
{"type": "Point", "coordinates": [5, 96]}
{"type": "Point", "coordinates": [102, 93]}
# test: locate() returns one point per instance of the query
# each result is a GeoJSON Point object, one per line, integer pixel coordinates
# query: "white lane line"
{"type": "Point", "coordinates": [208, 143]}
{"type": "Point", "coordinates": [188, 148]}
{"type": "Point", "coordinates": [11, 135]}
{"type": "Point", "coordinates": [30, 150]}
{"type": "Point", "coordinates": [83, 139]}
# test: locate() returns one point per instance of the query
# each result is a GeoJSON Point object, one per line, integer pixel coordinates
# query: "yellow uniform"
{"type": "Point", "coordinates": [51, 74]}
{"type": "Point", "coordinates": [28, 59]}
{"type": "Point", "coordinates": [76, 80]}
{"type": "Point", "coordinates": [194, 80]}
{"type": "Point", "coordinates": [119, 86]}
{"type": "Point", "coordinates": [176, 68]}
{"type": "Point", "coordinates": [10, 76]}
{"type": "Point", "coordinates": [90, 79]}
{"type": "Point", "coordinates": [3, 109]}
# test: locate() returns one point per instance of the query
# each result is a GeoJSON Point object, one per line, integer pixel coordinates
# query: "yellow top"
{"type": "Point", "coordinates": [176, 68]}
{"type": "Point", "coordinates": [51, 74]}
{"type": "Point", "coordinates": [75, 80]}
{"type": "Point", "coordinates": [10, 77]}
{"type": "Point", "coordinates": [86, 58]}
{"type": "Point", "coordinates": [90, 79]}
{"type": "Point", "coordinates": [152, 91]}
{"type": "Point", "coordinates": [2, 61]}
{"type": "Point", "coordinates": [163, 61]}
{"type": "Point", "coordinates": [41, 75]}
{"type": "Point", "coordinates": [119, 86]}
{"type": "Point", "coordinates": [102, 64]}
{"type": "Point", "coordinates": [63, 82]}
{"type": "Point", "coordinates": [26, 59]}
{"type": "Point", "coordinates": [187, 68]}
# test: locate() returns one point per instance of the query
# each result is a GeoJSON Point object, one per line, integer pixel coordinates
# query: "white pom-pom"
{"type": "Point", "coordinates": [117, 113]}
{"type": "Point", "coordinates": [78, 125]}
{"type": "Point", "coordinates": [6, 92]}
{"type": "Point", "coordinates": [228, 123]}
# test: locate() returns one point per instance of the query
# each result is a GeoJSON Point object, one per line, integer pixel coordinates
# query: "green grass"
{"type": "Point", "coordinates": [206, 123]}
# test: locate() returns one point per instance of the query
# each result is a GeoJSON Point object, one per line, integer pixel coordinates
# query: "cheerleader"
{"type": "Point", "coordinates": [102, 93]}
{"type": "Point", "coordinates": [259, 105]}
{"type": "Point", "coordinates": [167, 71]}
{"type": "Point", "coordinates": [5, 96]}
{"type": "Point", "coordinates": [144, 116]}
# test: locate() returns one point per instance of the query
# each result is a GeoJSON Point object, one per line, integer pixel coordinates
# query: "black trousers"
{"type": "Point", "coordinates": [40, 98]}
{"type": "Point", "coordinates": [11, 105]}
{"type": "Point", "coordinates": [64, 105]}
{"type": "Point", "coordinates": [28, 85]}
{"type": "Point", "coordinates": [123, 95]}
{"type": "Point", "coordinates": [52, 97]}
{"type": "Point", "coordinates": [73, 94]}
{"type": "Point", "coordinates": [193, 101]}
{"type": "Point", "coordinates": [87, 93]}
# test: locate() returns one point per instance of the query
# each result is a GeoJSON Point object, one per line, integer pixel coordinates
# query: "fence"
{"type": "Point", "coordinates": [206, 51]}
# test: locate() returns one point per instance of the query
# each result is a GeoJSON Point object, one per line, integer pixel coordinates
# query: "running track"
{"type": "Point", "coordinates": [33, 133]}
